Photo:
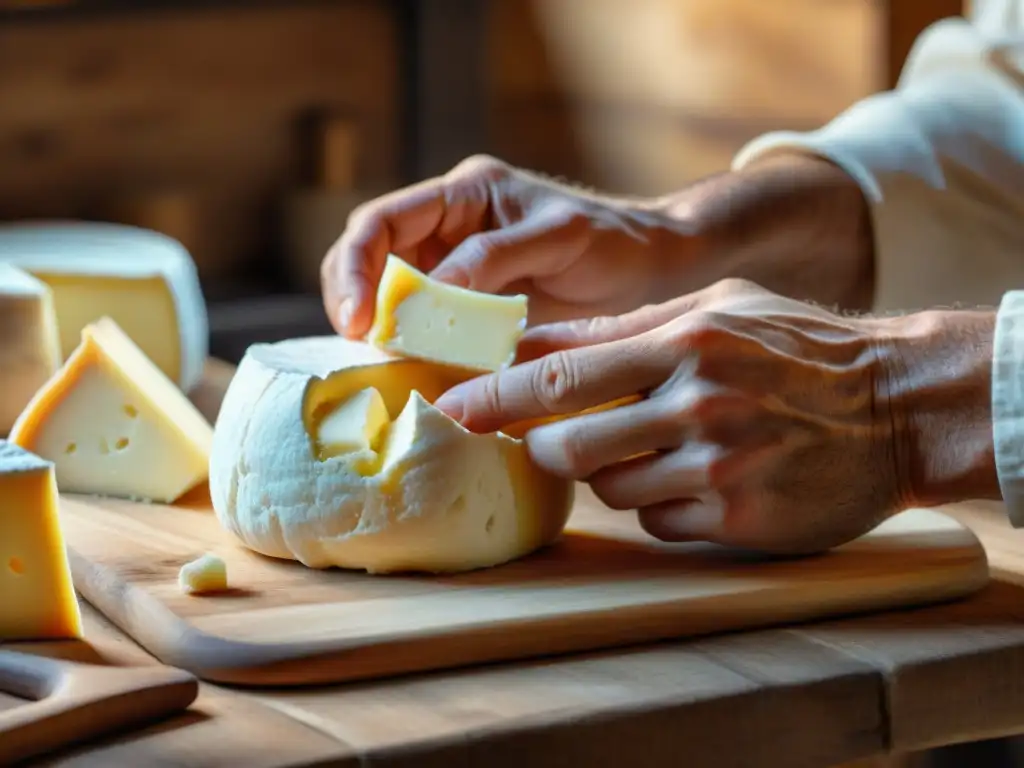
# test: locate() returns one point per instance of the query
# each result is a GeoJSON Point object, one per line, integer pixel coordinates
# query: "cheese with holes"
{"type": "Point", "coordinates": [144, 281]}
{"type": "Point", "coordinates": [29, 345]}
{"type": "Point", "coordinates": [37, 599]}
{"type": "Point", "coordinates": [417, 493]}
{"type": "Point", "coordinates": [203, 575]}
{"type": "Point", "coordinates": [115, 425]}
{"type": "Point", "coordinates": [417, 316]}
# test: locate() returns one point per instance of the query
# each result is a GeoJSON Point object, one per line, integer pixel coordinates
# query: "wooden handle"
{"type": "Point", "coordinates": [71, 701]}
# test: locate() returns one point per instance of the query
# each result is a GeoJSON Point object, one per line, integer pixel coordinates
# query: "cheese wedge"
{"type": "Point", "coordinates": [356, 424]}
{"type": "Point", "coordinates": [417, 316]}
{"type": "Point", "coordinates": [29, 345]}
{"type": "Point", "coordinates": [203, 575]}
{"type": "Point", "coordinates": [419, 493]}
{"type": "Point", "coordinates": [37, 600]}
{"type": "Point", "coordinates": [146, 282]}
{"type": "Point", "coordinates": [115, 425]}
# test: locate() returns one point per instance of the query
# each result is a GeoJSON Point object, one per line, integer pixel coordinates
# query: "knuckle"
{"type": "Point", "coordinates": [482, 247]}
{"type": "Point", "coordinates": [566, 211]}
{"type": "Point", "coordinates": [701, 337]}
{"type": "Point", "coordinates": [709, 405]}
{"type": "Point", "coordinates": [364, 214]}
{"type": "Point", "coordinates": [731, 286]}
{"type": "Point", "coordinates": [720, 468]}
{"type": "Point", "coordinates": [554, 381]}
{"type": "Point", "coordinates": [481, 166]}
{"type": "Point", "coordinates": [491, 397]}
{"type": "Point", "coordinates": [328, 266]}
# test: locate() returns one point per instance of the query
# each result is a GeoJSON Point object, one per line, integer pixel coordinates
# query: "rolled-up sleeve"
{"type": "Point", "coordinates": [941, 162]}
{"type": "Point", "coordinates": [1008, 403]}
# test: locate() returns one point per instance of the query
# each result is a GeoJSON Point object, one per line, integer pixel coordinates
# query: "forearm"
{"type": "Point", "coordinates": [795, 224]}
{"type": "Point", "coordinates": [941, 165]}
{"type": "Point", "coordinates": [937, 387]}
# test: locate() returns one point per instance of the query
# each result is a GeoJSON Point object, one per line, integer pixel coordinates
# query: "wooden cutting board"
{"type": "Point", "coordinates": [49, 703]}
{"type": "Point", "coordinates": [606, 583]}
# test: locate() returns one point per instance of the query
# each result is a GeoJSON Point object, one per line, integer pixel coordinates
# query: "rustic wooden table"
{"type": "Point", "coordinates": [816, 695]}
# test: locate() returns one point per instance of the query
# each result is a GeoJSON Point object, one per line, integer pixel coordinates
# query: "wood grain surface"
{"type": "Point", "coordinates": [811, 696]}
{"type": "Point", "coordinates": [63, 701]}
{"type": "Point", "coordinates": [606, 583]}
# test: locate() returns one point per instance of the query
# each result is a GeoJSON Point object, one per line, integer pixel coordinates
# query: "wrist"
{"type": "Point", "coordinates": [795, 224]}
{"type": "Point", "coordinates": [938, 385]}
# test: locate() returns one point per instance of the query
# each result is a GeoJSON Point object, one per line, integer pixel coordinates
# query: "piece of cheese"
{"type": "Point", "coordinates": [357, 424]}
{"type": "Point", "coordinates": [417, 316]}
{"type": "Point", "coordinates": [430, 497]}
{"type": "Point", "coordinates": [29, 345]}
{"type": "Point", "coordinates": [115, 425]}
{"type": "Point", "coordinates": [144, 281]}
{"type": "Point", "coordinates": [37, 599]}
{"type": "Point", "coordinates": [203, 575]}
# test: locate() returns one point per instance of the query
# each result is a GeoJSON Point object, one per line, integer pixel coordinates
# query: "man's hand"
{"type": "Point", "coordinates": [797, 225]}
{"type": "Point", "coordinates": [498, 229]}
{"type": "Point", "coordinates": [763, 422]}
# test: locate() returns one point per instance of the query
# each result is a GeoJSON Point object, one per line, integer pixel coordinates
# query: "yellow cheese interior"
{"type": "Point", "coordinates": [397, 383]}
{"type": "Point", "coordinates": [37, 600]}
{"type": "Point", "coordinates": [143, 307]}
{"type": "Point", "coordinates": [419, 317]}
{"type": "Point", "coordinates": [115, 425]}
{"type": "Point", "coordinates": [356, 424]}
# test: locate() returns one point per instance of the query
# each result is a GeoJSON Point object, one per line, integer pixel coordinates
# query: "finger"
{"type": "Point", "coordinates": [685, 519]}
{"type": "Point", "coordinates": [544, 243]}
{"type": "Point", "coordinates": [579, 446]}
{"type": "Point", "coordinates": [544, 339]}
{"type": "Point", "coordinates": [656, 478]}
{"type": "Point", "coordinates": [445, 206]}
{"type": "Point", "coordinates": [564, 382]}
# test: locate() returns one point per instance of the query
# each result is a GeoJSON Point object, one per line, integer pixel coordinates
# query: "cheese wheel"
{"type": "Point", "coordinates": [146, 282]}
{"type": "Point", "coordinates": [414, 491]}
{"type": "Point", "coordinates": [29, 345]}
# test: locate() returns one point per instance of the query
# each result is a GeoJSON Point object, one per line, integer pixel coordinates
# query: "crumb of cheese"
{"type": "Point", "coordinates": [208, 573]}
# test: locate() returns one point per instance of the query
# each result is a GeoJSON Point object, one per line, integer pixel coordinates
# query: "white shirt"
{"type": "Point", "coordinates": [941, 162]}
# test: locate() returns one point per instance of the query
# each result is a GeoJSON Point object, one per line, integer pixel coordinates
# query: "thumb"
{"type": "Point", "coordinates": [544, 339]}
{"type": "Point", "coordinates": [544, 243]}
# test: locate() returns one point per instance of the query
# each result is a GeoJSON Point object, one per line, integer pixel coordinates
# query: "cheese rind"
{"type": "Point", "coordinates": [417, 316]}
{"type": "Point", "coordinates": [115, 425]}
{"type": "Point", "coordinates": [144, 281]}
{"type": "Point", "coordinates": [203, 575]}
{"type": "Point", "coordinates": [37, 599]}
{"type": "Point", "coordinates": [437, 499]}
{"type": "Point", "coordinates": [29, 344]}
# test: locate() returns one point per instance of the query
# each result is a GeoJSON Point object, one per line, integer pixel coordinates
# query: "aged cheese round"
{"type": "Point", "coordinates": [328, 451]}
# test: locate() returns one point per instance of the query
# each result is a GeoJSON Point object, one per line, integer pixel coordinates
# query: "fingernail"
{"type": "Point", "coordinates": [447, 273]}
{"type": "Point", "coordinates": [451, 403]}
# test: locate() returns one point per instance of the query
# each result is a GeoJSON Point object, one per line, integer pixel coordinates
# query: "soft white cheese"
{"type": "Point", "coordinates": [433, 497]}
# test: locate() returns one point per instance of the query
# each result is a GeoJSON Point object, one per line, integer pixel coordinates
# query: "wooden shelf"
{"type": "Point", "coordinates": [52, 10]}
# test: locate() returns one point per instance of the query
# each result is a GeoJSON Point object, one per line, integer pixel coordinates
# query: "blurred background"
{"type": "Point", "coordinates": [248, 130]}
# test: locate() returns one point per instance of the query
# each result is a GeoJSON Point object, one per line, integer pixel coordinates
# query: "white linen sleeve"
{"type": "Point", "coordinates": [941, 162]}
{"type": "Point", "coordinates": [1008, 403]}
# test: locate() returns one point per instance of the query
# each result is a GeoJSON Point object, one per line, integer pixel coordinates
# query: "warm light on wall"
{"type": "Point", "coordinates": [665, 90]}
